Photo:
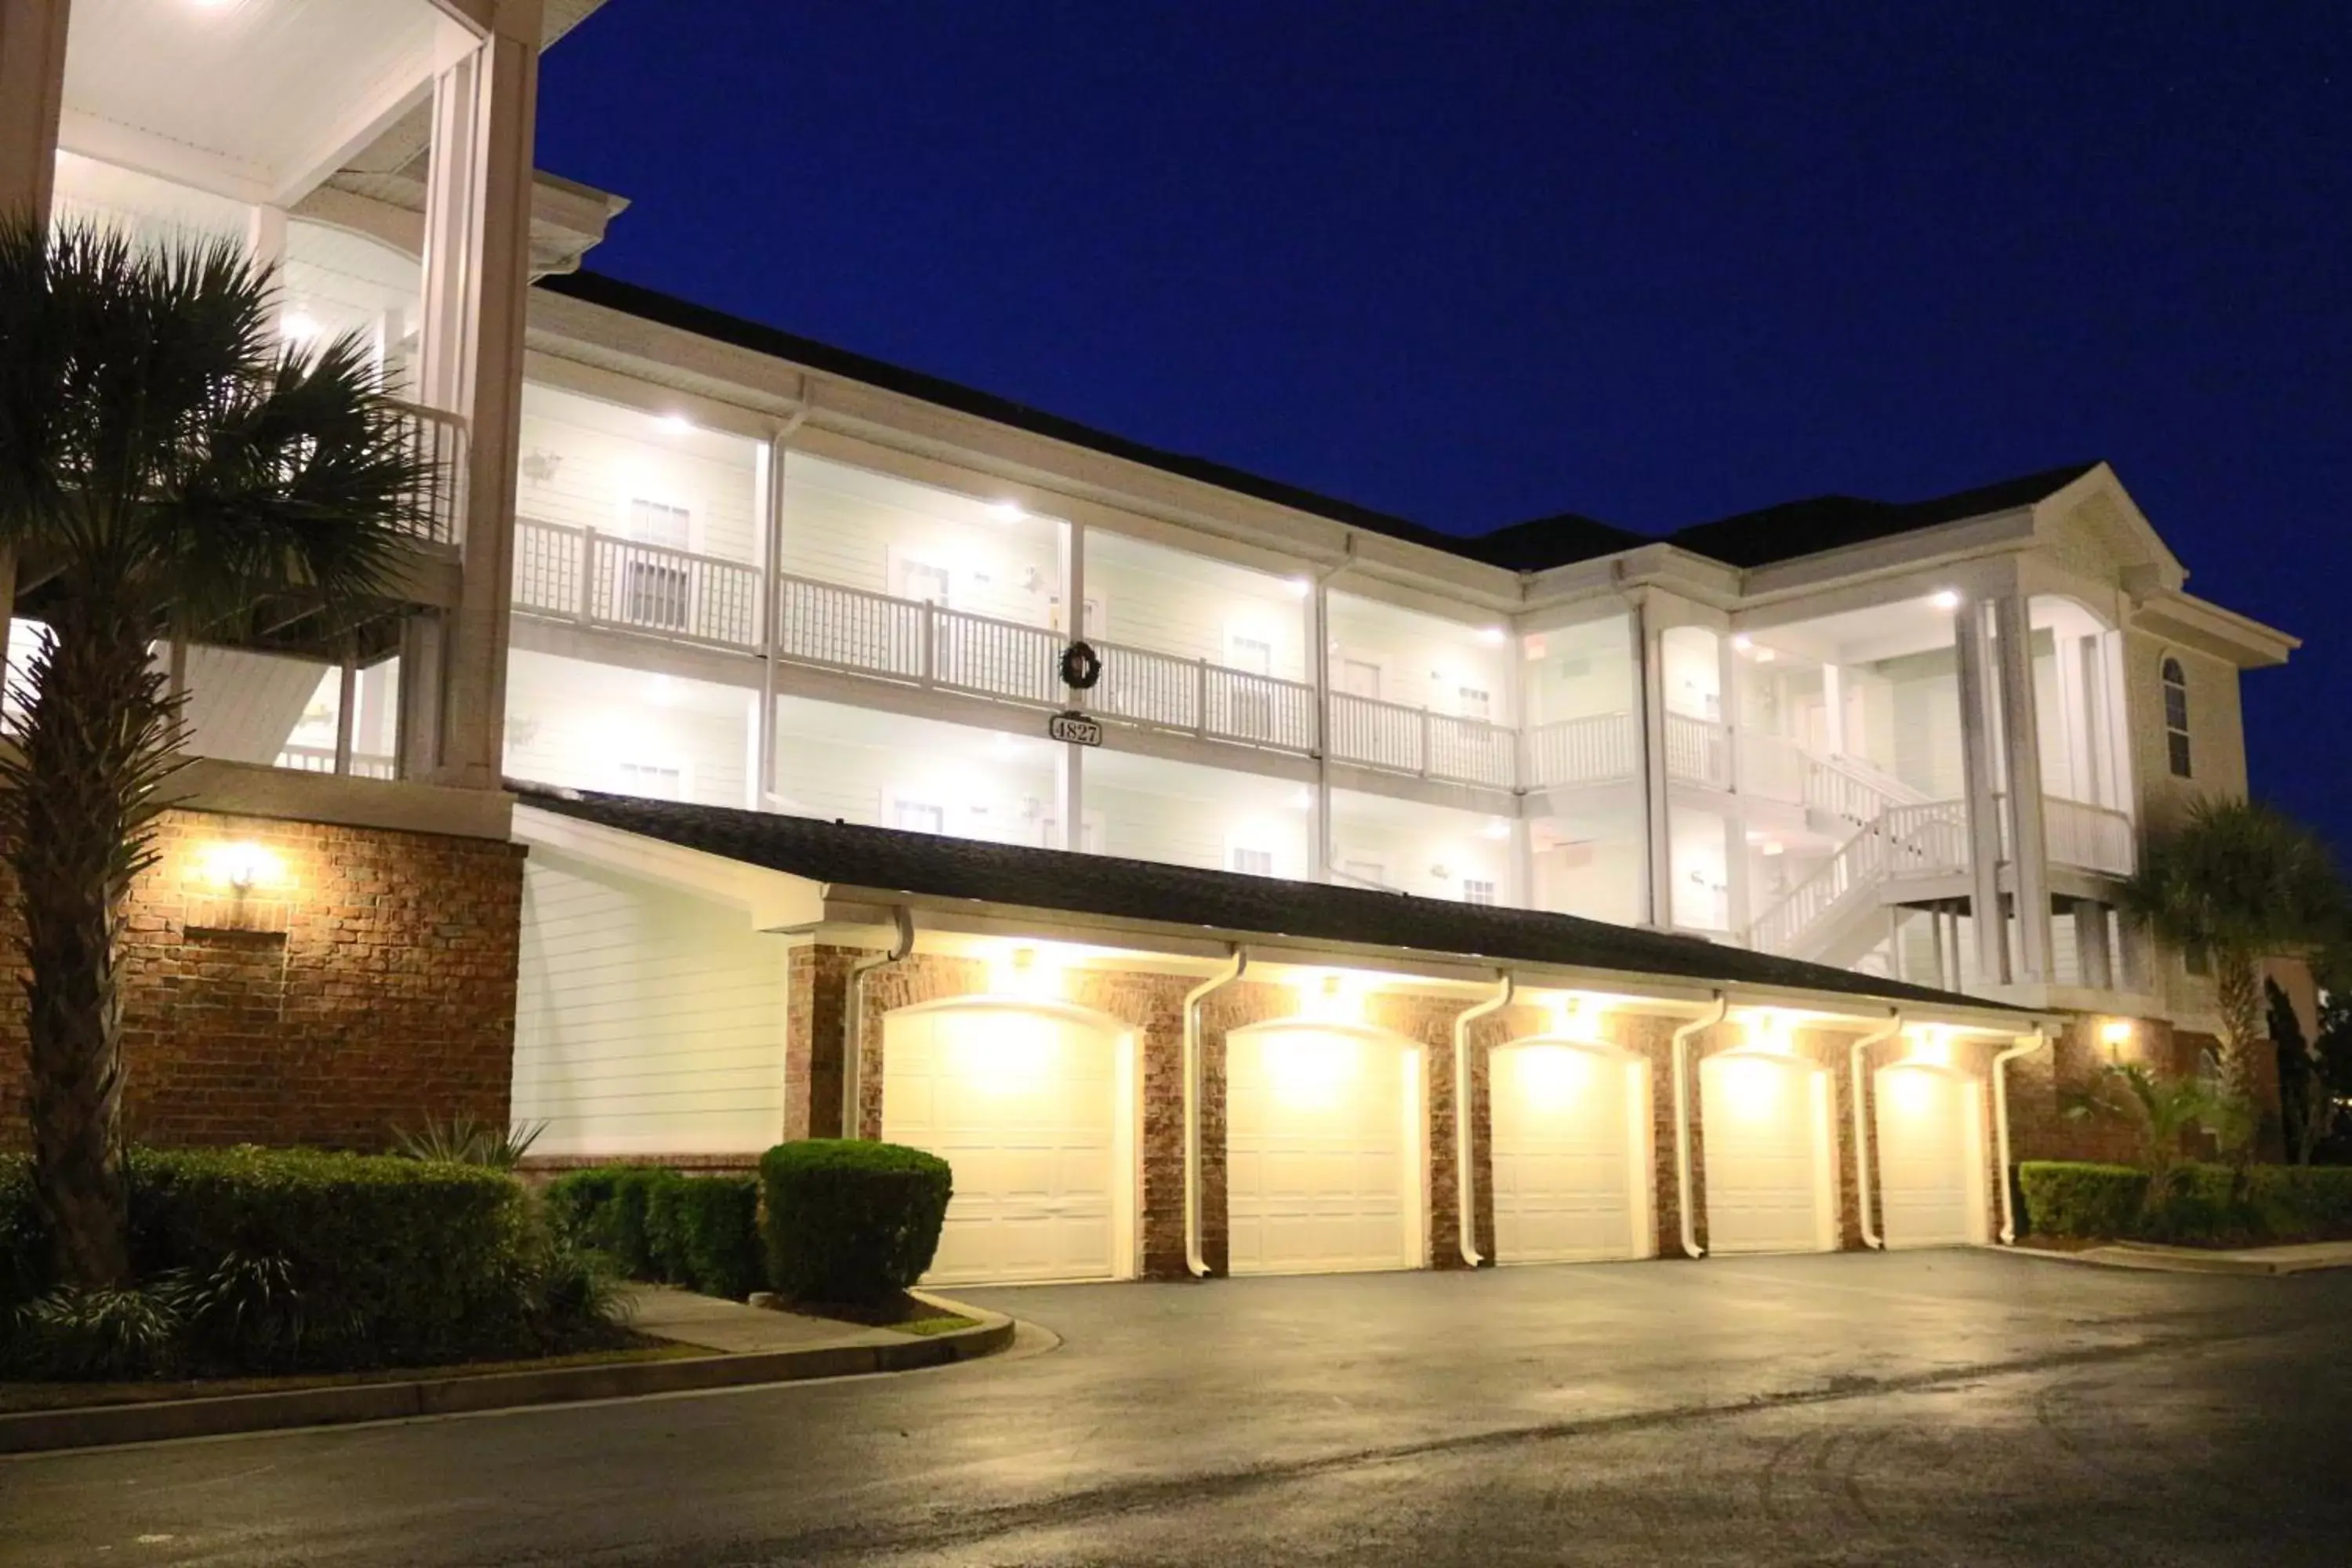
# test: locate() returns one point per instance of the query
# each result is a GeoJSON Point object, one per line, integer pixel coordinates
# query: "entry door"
{"type": "Point", "coordinates": [1765, 1123]}
{"type": "Point", "coordinates": [1029, 1108]}
{"type": "Point", "coordinates": [1567, 1168]}
{"type": "Point", "coordinates": [1322, 1150]}
{"type": "Point", "coordinates": [1931, 1165]}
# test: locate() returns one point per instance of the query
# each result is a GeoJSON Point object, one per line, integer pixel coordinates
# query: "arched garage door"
{"type": "Point", "coordinates": [1034, 1107]}
{"type": "Point", "coordinates": [1765, 1126]}
{"type": "Point", "coordinates": [1931, 1156]}
{"type": "Point", "coordinates": [1323, 1149]}
{"type": "Point", "coordinates": [1571, 1152]}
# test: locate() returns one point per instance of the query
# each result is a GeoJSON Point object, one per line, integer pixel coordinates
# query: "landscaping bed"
{"type": "Point", "coordinates": [2069, 1205]}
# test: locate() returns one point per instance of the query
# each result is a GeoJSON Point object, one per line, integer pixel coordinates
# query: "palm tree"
{"type": "Point", "coordinates": [2237, 882]}
{"type": "Point", "coordinates": [166, 467]}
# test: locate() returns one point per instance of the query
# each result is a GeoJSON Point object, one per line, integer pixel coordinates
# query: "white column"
{"type": "Point", "coordinates": [2029, 846]}
{"type": "Point", "coordinates": [476, 279]}
{"type": "Point", "coordinates": [771, 460]}
{"type": "Point", "coordinates": [1319, 673]}
{"type": "Point", "coordinates": [32, 93]}
{"type": "Point", "coordinates": [1727, 668]}
{"type": "Point", "coordinates": [1976, 736]}
{"type": "Point", "coordinates": [1069, 760]}
{"type": "Point", "coordinates": [1650, 715]}
{"type": "Point", "coordinates": [1833, 710]}
{"type": "Point", "coordinates": [1736, 895]}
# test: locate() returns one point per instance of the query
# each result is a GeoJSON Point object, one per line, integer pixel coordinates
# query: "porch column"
{"type": "Point", "coordinates": [2028, 846]}
{"type": "Point", "coordinates": [1833, 710]}
{"type": "Point", "coordinates": [1649, 732]}
{"type": "Point", "coordinates": [1318, 671]}
{"type": "Point", "coordinates": [477, 276]}
{"type": "Point", "coordinates": [771, 546]}
{"type": "Point", "coordinates": [1069, 759]}
{"type": "Point", "coordinates": [32, 95]}
{"type": "Point", "coordinates": [1969, 643]}
{"type": "Point", "coordinates": [1735, 895]}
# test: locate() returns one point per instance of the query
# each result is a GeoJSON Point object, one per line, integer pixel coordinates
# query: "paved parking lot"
{"type": "Point", "coordinates": [1929, 1407]}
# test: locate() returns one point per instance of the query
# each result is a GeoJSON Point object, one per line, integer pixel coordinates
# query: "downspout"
{"type": "Point", "coordinates": [853, 1047]}
{"type": "Point", "coordinates": [1682, 1121]}
{"type": "Point", "coordinates": [1870, 1237]}
{"type": "Point", "coordinates": [2024, 1047]}
{"type": "Point", "coordinates": [765, 784]}
{"type": "Point", "coordinates": [1465, 1187]}
{"type": "Point", "coordinates": [1192, 1000]}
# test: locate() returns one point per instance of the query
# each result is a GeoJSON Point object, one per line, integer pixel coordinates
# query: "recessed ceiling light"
{"type": "Point", "coordinates": [1945, 599]}
{"type": "Point", "coordinates": [299, 327]}
{"type": "Point", "coordinates": [1299, 588]}
{"type": "Point", "coordinates": [1006, 511]}
{"type": "Point", "coordinates": [677, 424]}
{"type": "Point", "coordinates": [1743, 642]}
{"type": "Point", "coordinates": [1491, 635]}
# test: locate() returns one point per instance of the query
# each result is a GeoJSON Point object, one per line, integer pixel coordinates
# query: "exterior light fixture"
{"type": "Point", "coordinates": [1299, 586]}
{"type": "Point", "coordinates": [1743, 642]}
{"type": "Point", "coordinates": [1498, 828]}
{"type": "Point", "coordinates": [676, 425]}
{"type": "Point", "coordinates": [239, 866]}
{"type": "Point", "coordinates": [1304, 800]}
{"type": "Point", "coordinates": [2115, 1034]}
{"type": "Point", "coordinates": [1006, 511]}
{"type": "Point", "coordinates": [299, 327]}
{"type": "Point", "coordinates": [1491, 635]}
{"type": "Point", "coordinates": [1945, 599]}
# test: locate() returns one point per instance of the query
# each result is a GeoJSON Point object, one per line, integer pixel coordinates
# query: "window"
{"type": "Point", "coordinates": [1359, 677]}
{"type": "Point", "coordinates": [653, 590]}
{"type": "Point", "coordinates": [1473, 702]}
{"type": "Point", "coordinates": [1474, 892]}
{"type": "Point", "coordinates": [916, 816]}
{"type": "Point", "coordinates": [1252, 862]}
{"type": "Point", "coordinates": [2176, 717]}
{"type": "Point", "coordinates": [652, 781]}
{"type": "Point", "coordinates": [911, 579]}
{"type": "Point", "coordinates": [1255, 654]}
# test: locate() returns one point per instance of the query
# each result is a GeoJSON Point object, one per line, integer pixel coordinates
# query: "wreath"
{"type": "Point", "coordinates": [1081, 667]}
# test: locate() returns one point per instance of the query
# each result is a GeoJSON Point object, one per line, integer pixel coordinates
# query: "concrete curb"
{"type": "Point", "coordinates": [2151, 1259]}
{"type": "Point", "coordinates": [101, 1425]}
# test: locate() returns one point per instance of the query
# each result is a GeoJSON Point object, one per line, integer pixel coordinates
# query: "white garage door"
{"type": "Point", "coordinates": [1765, 1125]}
{"type": "Point", "coordinates": [1571, 1152]}
{"type": "Point", "coordinates": [1033, 1108]}
{"type": "Point", "coordinates": [1931, 1167]}
{"type": "Point", "coordinates": [1322, 1150]}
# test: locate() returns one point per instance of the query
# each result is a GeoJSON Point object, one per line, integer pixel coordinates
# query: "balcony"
{"type": "Point", "coordinates": [437, 441]}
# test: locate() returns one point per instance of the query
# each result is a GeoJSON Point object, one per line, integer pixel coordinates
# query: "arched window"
{"type": "Point", "coordinates": [2176, 716]}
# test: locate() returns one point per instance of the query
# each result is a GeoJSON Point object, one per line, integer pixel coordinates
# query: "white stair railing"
{"type": "Point", "coordinates": [1698, 750]}
{"type": "Point", "coordinates": [1904, 841]}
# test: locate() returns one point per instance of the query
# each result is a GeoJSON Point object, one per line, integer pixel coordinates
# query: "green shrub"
{"type": "Point", "coordinates": [2193, 1204]}
{"type": "Point", "coordinates": [699, 1231]}
{"type": "Point", "coordinates": [848, 1220]}
{"type": "Point", "coordinates": [2068, 1199]}
{"type": "Point", "coordinates": [24, 1240]}
{"type": "Point", "coordinates": [269, 1259]}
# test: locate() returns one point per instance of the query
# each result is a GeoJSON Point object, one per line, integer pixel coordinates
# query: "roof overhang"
{"type": "Point", "coordinates": [2209, 628]}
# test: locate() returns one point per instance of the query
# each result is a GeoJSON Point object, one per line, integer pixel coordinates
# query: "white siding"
{"type": "Point", "coordinates": [1181, 815]}
{"type": "Point", "coordinates": [1424, 662]}
{"type": "Point", "coordinates": [591, 726]}
{"type": "Point", "coordinates": [646, 1021]}
{"type": "Point", "coordinates": [1579, 672]}
{"type": "Point", "coordinates": [242, 706]}
{"type": "Point", "coordinates": [1171, 602]}
{"type": "Point", "coordinates": [985, 786]}
{"type": "Point", "coordinates": [850, 526]}
{"type": "Point", "coordinates": [1421, 849]}
{"type": "Point", "coordinates": [583, 462]}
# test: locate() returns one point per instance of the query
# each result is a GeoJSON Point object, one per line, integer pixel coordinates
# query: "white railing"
{"type": "Point", "coordinates": [1470, 750]}
{"type": "Point", "coordinates": [995, 658]}
{"type": "Point", "coordinates": [845, 628]}
{"type": "Point", "coordinates": [1906, 841]}
{"type": "Point", "coordinates": [1854, 790]}
{"type": "Point", "coordinates": [2091, 837]}
{"type": "Point", "coordinates": [1237, 705]}
{"type": "Point", "coordinates": [1698, 750]}
{"type": "Point", "coordinates": [1397, 739]}
{"type": "Point", "coordinates": [601, 580]}
{"type": "Point", "coordinates": [435, 440]}
{"type": "Point", "coordinates": [1598, 749]}
{"type": "Point", "coordinates": [321, 760]}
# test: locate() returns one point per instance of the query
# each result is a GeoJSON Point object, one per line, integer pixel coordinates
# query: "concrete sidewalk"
{"type": "Point", "coordinates": [2306, 1259]}
{"type": "Point", "coordinates": [668, 1312]}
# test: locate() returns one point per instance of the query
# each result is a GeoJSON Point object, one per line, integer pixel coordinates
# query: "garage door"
{"type": "Point", "coordinates": [1765, 1126]}
{"type": "Point", "coordinates": [1571, 1152]}
{"type": "Point", "coordinates": [1032, 1106]}
{"type": "Point", "coordinates": [1323, 1150]}
{"type": "Point", "coordinates": [1931, 1165]}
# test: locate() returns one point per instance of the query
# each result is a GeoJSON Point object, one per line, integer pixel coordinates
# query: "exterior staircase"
{"type": "Point", "coordinates": [1892, 830]}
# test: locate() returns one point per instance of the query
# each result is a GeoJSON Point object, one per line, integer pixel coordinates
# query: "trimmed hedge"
{"type": "Point", "coordinates": [655, 1223]}
{"type": "Point", "coordinates": [2199, 1203]}
{"type": "Point", "coordinates": [850, 1221]}
{"type": "Point", "coordinates": [302, 1259]}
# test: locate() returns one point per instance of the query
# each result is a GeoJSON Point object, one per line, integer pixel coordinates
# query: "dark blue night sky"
{"type": "Point", "coordinates": [1477, 263]}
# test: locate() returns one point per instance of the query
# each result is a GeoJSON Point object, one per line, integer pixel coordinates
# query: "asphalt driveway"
{"type": "Point", "coordinates": [1961, 1406]}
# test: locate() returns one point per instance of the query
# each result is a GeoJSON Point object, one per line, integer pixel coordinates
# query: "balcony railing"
{"type": "Point", "coordinates": [437, 441]}
{"type": "Point", "coordinates": [1396, 739]}
{"type": "Point", "coordinates": [2090, 837]}
{"type": "Point", "coordinates": [321, 760]}
{"type": "Point", "coordinates": [1598, 749]}
{"type": "Point", "coordinates": [1698, 751]}
{"type": "Point", "coordinates": [601, 580]}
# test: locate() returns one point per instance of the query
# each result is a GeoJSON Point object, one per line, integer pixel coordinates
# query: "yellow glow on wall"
{"type": "Point", "coordinates": [1031, 971]}
{"type": "Point", "coordinates": [1907, 1093]}
{"type": "Point", "coordinates": [1334, 996]}
{"type": "Point", "coordinates": [242, 867]}
{"type": "Point", "coordinates": [1308, 1069]}
{"type": "Point", "coordinates": [996, 1051]}
{"type": "Point", "coordinates": [1931, 1045]}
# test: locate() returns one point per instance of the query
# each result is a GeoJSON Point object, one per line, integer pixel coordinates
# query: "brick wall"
{"type": "Point", "coordinates": [365, 979]}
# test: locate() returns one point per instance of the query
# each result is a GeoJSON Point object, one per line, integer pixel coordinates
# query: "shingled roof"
{"type": "Point", "coordinates": [930, 866]}
{"type": "Point", "coordinates": [1779, 532]}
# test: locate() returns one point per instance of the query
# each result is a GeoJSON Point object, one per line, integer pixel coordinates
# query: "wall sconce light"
{"type": "Point", "coordinates": [2115, 1034]}
{"type": "Point", "coordinates": [239, 866]}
